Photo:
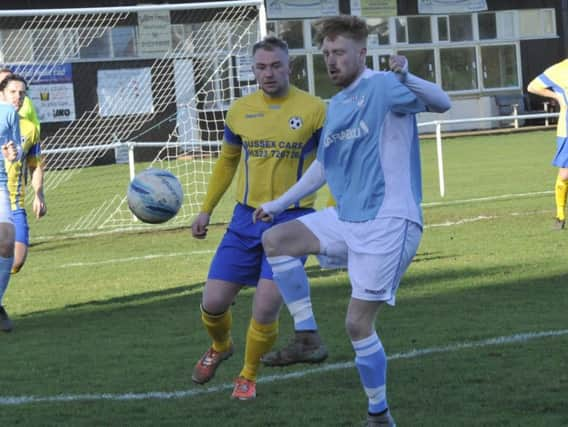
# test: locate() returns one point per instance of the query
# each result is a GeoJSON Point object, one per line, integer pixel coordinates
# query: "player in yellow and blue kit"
{"type": "Point", "coordinates": [14, 93]}
{"type": "Point", "coordinates": [27, 110]}
{"type": "Point", "coordinates": [270, 139]}
{"type": "Point", "coordinates": [553, 83]}
{"type": "Point", "coordinates": [10, 141]}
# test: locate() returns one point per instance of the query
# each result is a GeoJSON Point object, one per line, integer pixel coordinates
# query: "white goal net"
{"type": "Point", "coordinates": [147, 84]}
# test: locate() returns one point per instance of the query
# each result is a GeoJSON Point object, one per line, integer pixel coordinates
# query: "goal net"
{"type": "Point", "coordinates": [121, 89]}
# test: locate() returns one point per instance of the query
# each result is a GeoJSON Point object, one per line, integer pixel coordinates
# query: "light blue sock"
{"type": "Point", "coordinates": [5, 269]}
{"type": "Point", "coordinates": [371, 362]}
{"type": "Point", "coordinates": [292, 281]}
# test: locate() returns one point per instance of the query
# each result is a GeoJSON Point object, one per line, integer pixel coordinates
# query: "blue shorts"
{"type": "Point", "coordinates": [21, 226]}
{"type": "Point", "coordinates": [240, 256]}
{"type": "Point", "coordinates": [561, 158]}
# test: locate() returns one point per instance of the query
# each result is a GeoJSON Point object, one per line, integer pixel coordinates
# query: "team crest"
{"type": "Point", "coordinates": [295, 122]}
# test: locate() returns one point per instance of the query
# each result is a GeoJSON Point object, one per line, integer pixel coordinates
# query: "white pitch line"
{"type": "Point", "coordinates": [190, 253]}
{"type": "Point", "coordinates": [134, 258]}
{"type": "Point", "coordinates": [486, 199]}
{"type": "Point", "coordinates": [159, 395]}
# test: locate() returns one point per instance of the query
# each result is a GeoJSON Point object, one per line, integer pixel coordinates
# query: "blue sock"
{"type": "Point", "coordinates": [371, 362]}
{"type": "Point", "coordinates": [292, 281]}
{"type": "Point", "coordinates": [5, 269]}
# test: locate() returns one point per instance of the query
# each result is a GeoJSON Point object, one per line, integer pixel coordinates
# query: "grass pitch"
{"type": "Point", "coordinates": [107, 327]}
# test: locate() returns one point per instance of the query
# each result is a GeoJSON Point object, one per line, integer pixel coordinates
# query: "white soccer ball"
{"type": "Point", "coordinates": [154, 196]}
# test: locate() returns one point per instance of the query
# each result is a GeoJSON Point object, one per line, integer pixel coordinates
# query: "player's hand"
{"type": "Point", "coordinates": [399, 64]}
{"type": "Point", "coordinates": [260, 215]}
{"type": "Point", "coordinates": [199, 226]}
{"type": "Point", "coordinates": [9, 151]}
{"type": "Point", "coordinates": [39, 207]}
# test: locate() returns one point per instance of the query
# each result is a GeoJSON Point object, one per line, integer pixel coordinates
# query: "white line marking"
{"type": "Point", "coordinates": [190, 253]}
{"type": "Point", "coordinates": [486, 199]}
{"type": "Point", "coordinates": [133, 258]}
{"type": "Point", "coordinates": [160, 395]}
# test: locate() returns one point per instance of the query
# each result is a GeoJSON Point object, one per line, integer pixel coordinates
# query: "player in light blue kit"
{"type": "Point", "coordinates": [11, 149]}
{"type": "Point", "coordinates": [369, 155]}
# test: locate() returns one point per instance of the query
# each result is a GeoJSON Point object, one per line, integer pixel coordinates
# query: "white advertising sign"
{"type": "Point", "coordinates": [154, 33]}
{"type": "Point", "coordinates": [296, 9]}
{"type": "Point", "coordinates": [125, 91]}
{"type": "Point", "coordinates": [451, 6]}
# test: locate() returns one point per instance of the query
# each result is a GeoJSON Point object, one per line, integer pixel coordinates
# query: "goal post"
{"type": "Point", "coordinates": [149, 84]}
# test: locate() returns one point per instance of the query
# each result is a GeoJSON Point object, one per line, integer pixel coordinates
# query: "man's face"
{"type": "Point", "coordinates": [14, 94]}
{"type": "Point", "coordinates": [271, 69]}
{"type": "Point", "coordinates": [344, 58]}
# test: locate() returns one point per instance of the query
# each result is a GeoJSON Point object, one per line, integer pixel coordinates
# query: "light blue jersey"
{"type": "Point", "coordinates": [369, 149]}
{"type": "Point", "coordinates": [9, 131]}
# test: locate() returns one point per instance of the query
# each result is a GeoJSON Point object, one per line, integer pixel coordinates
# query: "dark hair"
{"type": "Point", "coordinates": [352, 27]}
{"type": "Point", "coordinates": [270, 43]}
{"type": "Point", "coordinates": [12, 78]}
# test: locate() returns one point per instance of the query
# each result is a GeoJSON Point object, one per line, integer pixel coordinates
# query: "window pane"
{"type": "Point", "coordinates": [458, 69]}
{"type": "Point", "coordinates": [419, 30]}
{"type": "Point", "coordinates": [292, 32]}
{"type": "Point", "coordinates": [379, 29]}
{"type": "Point", "coordinates": [400, 29]}
{"type": "Point", "coordinates": [548, 21]}
{"type": "Point", "coordinates": [123, 42]}
{"type": "Point", "coordinates": [487, 26]}
{"type": "Point", "coordinates": [443, 28]}
{"type": "Point", "coordinates": [421, 63]}
{"type": "Point", "coordinates": [46, 45]}
{"type": "Point", "coordinates": [98, 48]}
{"type": "Point", "coordinates": [17, 46]}
{"type": "Point", "coordinates": [529, 22]}
{"type": "Point", "coordinates": [323, 86]}
{"type": "Point", "coordinates": [384, 62]}
{"type": "Point", "coordinates": [460, 28]}
{"type": "Point", "coordinates": [499, 66]}
{"type": "Point", "coordinates": [299, 72]}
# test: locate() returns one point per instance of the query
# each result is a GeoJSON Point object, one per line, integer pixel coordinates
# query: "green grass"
{"type": "Point", "coordinates": [119, 313]}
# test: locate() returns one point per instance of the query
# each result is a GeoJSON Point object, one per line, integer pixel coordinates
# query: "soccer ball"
{"type": "Point", "coordinates": [154, 196]}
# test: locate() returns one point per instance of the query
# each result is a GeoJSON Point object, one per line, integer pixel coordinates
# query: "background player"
{"type": "Point", "coordinates": [271, 138]}
{"type": "Point", "coordinates": [27, 110]}
{"type": "Point", "coordinates": [14, 93]}
{"type": "Point", "coordinates": [553, 83]}
{"type": "Point", "coordinates": [369, 156]}
{"type": "Point", "coordinates": [10, 142]}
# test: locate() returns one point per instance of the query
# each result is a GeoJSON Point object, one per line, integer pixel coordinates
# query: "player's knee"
{"type": "Point", "coordinates": [356, 329]}
{"type": "Point", "coordinates": [270, 242]}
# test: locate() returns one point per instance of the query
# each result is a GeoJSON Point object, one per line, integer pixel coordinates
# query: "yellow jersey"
{"type": "Point", "coordinates": [555, 78]}
{"type": "Point", "coordinates": [31, 157]}
{"type": "Point", "coordinates": [269, 143]}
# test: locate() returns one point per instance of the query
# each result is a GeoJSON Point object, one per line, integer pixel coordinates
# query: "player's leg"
{"type": "Point", "coordinates": [284, 245]}
{"type": "Point", "coordinates": [375, 278]}
{"type": "Point", "coordinates": [6, 254]}
{"type": "Point", "coordinates": [261, 336]}
{"type": "Point", "coordinates": [560, 193]}
{"type": "Point", "coordinates": [561, 185]}
{"type": "Point", "coordinates": [236, 263]}
{"type": "Point", "coordinates": [216, 316]}
{"type": "Point", "coordinates": [22, 239]}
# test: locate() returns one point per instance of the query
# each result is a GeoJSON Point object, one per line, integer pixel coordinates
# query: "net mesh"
{"type": "Point", "coordinates": [186, 90]}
